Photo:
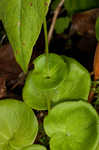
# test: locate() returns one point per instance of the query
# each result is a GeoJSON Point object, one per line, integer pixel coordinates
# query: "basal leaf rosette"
{"type": "Point", "coordinates": [72, 126]}
{"type": "Point", "coordinates": [35, 147]}
{"type": "Point", "coordinates": [18, 125]}
{"type": "Point", "coordinates": [55, 78]}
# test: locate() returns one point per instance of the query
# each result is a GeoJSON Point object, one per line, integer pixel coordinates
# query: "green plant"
{"type": "Point", "coordinates": [35, 147]}
{"type": "Point", "coordinates": [18, 125]}
{"type": "Point", "coordinates": [57, 81]}
{"type": "Point", "coordinates": [58, 84]}
{"type": "Point", "coordinates": [61, 24]}
{"type": "Point", "coordinates": [71, 126]}
{"type": "Point", "coordinates": [21, 27]}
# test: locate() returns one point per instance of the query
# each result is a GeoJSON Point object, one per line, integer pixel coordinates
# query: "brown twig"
{"type": "Point", "coordinates": [56, 13]}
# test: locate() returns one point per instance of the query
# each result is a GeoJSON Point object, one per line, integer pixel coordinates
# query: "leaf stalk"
{"type": "Point", "coordinates": [47, 52]}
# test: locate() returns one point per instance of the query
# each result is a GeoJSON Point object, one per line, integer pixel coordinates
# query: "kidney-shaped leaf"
{"type": "Point", "coordinates": [72, 125]}
{"type": "Point", "coordinates": [35, 147]}
{"type": "Point", "coordinates": [18, 125]}
{"type": "Point", "coordinates": [56, 79]}
{"type": "Point", "coordinates": [22, 20]}
{"type": "Point", "coordinates": [74, 6]}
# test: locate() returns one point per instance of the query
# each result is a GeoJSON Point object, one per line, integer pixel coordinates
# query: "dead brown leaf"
{"type": "Point", "coordinates": [96, 72]}
{"type": "Point", "coordinates": [9, 69]}
{"type": "Point", "coordinates": [96, 63]}
{"type": "Point", "coordinates": [2, 87]}
{"type": "Point", "coordinates": [84, 22]}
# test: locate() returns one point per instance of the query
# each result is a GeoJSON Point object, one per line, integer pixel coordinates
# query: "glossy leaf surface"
{"type": "Point", "coordinates": [22, 20]}
{"type": "Point", "coordinates": [18, 125]}
{"type": "Point", "coordinates": [35, 147]}
{"type": "Point", "coordinates": [59, 80]}
{"type": "Point", "coordinates": [74, 6]}
{"type": "Point", "coordinates": [72, 125]}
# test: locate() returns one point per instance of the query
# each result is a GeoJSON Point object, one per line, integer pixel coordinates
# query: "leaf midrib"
{"type": "Point", "coordinates": [20, 34]}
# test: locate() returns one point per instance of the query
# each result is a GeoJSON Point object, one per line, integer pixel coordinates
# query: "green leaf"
{"type": "Point", "coordinates": [23, 20]}
{"type": "Point", "coordinates": [72, 126]}
{"type": "Point", "coordinates": [35, 147]}
{"type": "Point", "coordinates": [73, 6]}
{"type": "Point", "coordinates": [62, 24]}
{"type": "Point", "coordinates": [18, 125]}
{"type": "Point", "coordinates": [59, 80]}
{"type": "Point", "coordinates": [77, 73]}
{"type": "Point", "coordinates": [97, 28]}
{"type": "Point", "coordinates": [42, 82]}
{"type": "Point", "coordinates": [97, 147]}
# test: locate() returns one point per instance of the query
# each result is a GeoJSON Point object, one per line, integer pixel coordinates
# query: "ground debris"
{"type": "Point", "coordinates": [8, 66]}
{"type": "Point", "coordinates": [84, 23]}
{"type": "Point", "coordinates": [96, 63]}
{"type": "Point", "coordinates": [2, 87]}
{"type": "Point", "coordinates": [9, 70]}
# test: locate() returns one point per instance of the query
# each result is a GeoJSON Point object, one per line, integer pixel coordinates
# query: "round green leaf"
{"type": "Point", "coordinates": [48, 75]}
{"type": "Point", "coordinates": [42, 82]}
{"type": "Point", "coordinates": [18, 125]}
{"type": "Point", "coordinates": [73, 126]}
{"type": "Point", "coordinates": [35, 147]}
{"type": "Point", "coordinates": [56, 79]}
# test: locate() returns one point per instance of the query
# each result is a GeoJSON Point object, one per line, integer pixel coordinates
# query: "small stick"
{"type": "Point", "coordinates": [56, 13]}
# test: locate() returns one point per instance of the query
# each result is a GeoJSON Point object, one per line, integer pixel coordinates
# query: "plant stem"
{"type": "Point", "coordinates": [46, 37]}
{"type": "Point", "coordinates": [47, 52]}
{"type": "Point", "coordinates": [46, 44]}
